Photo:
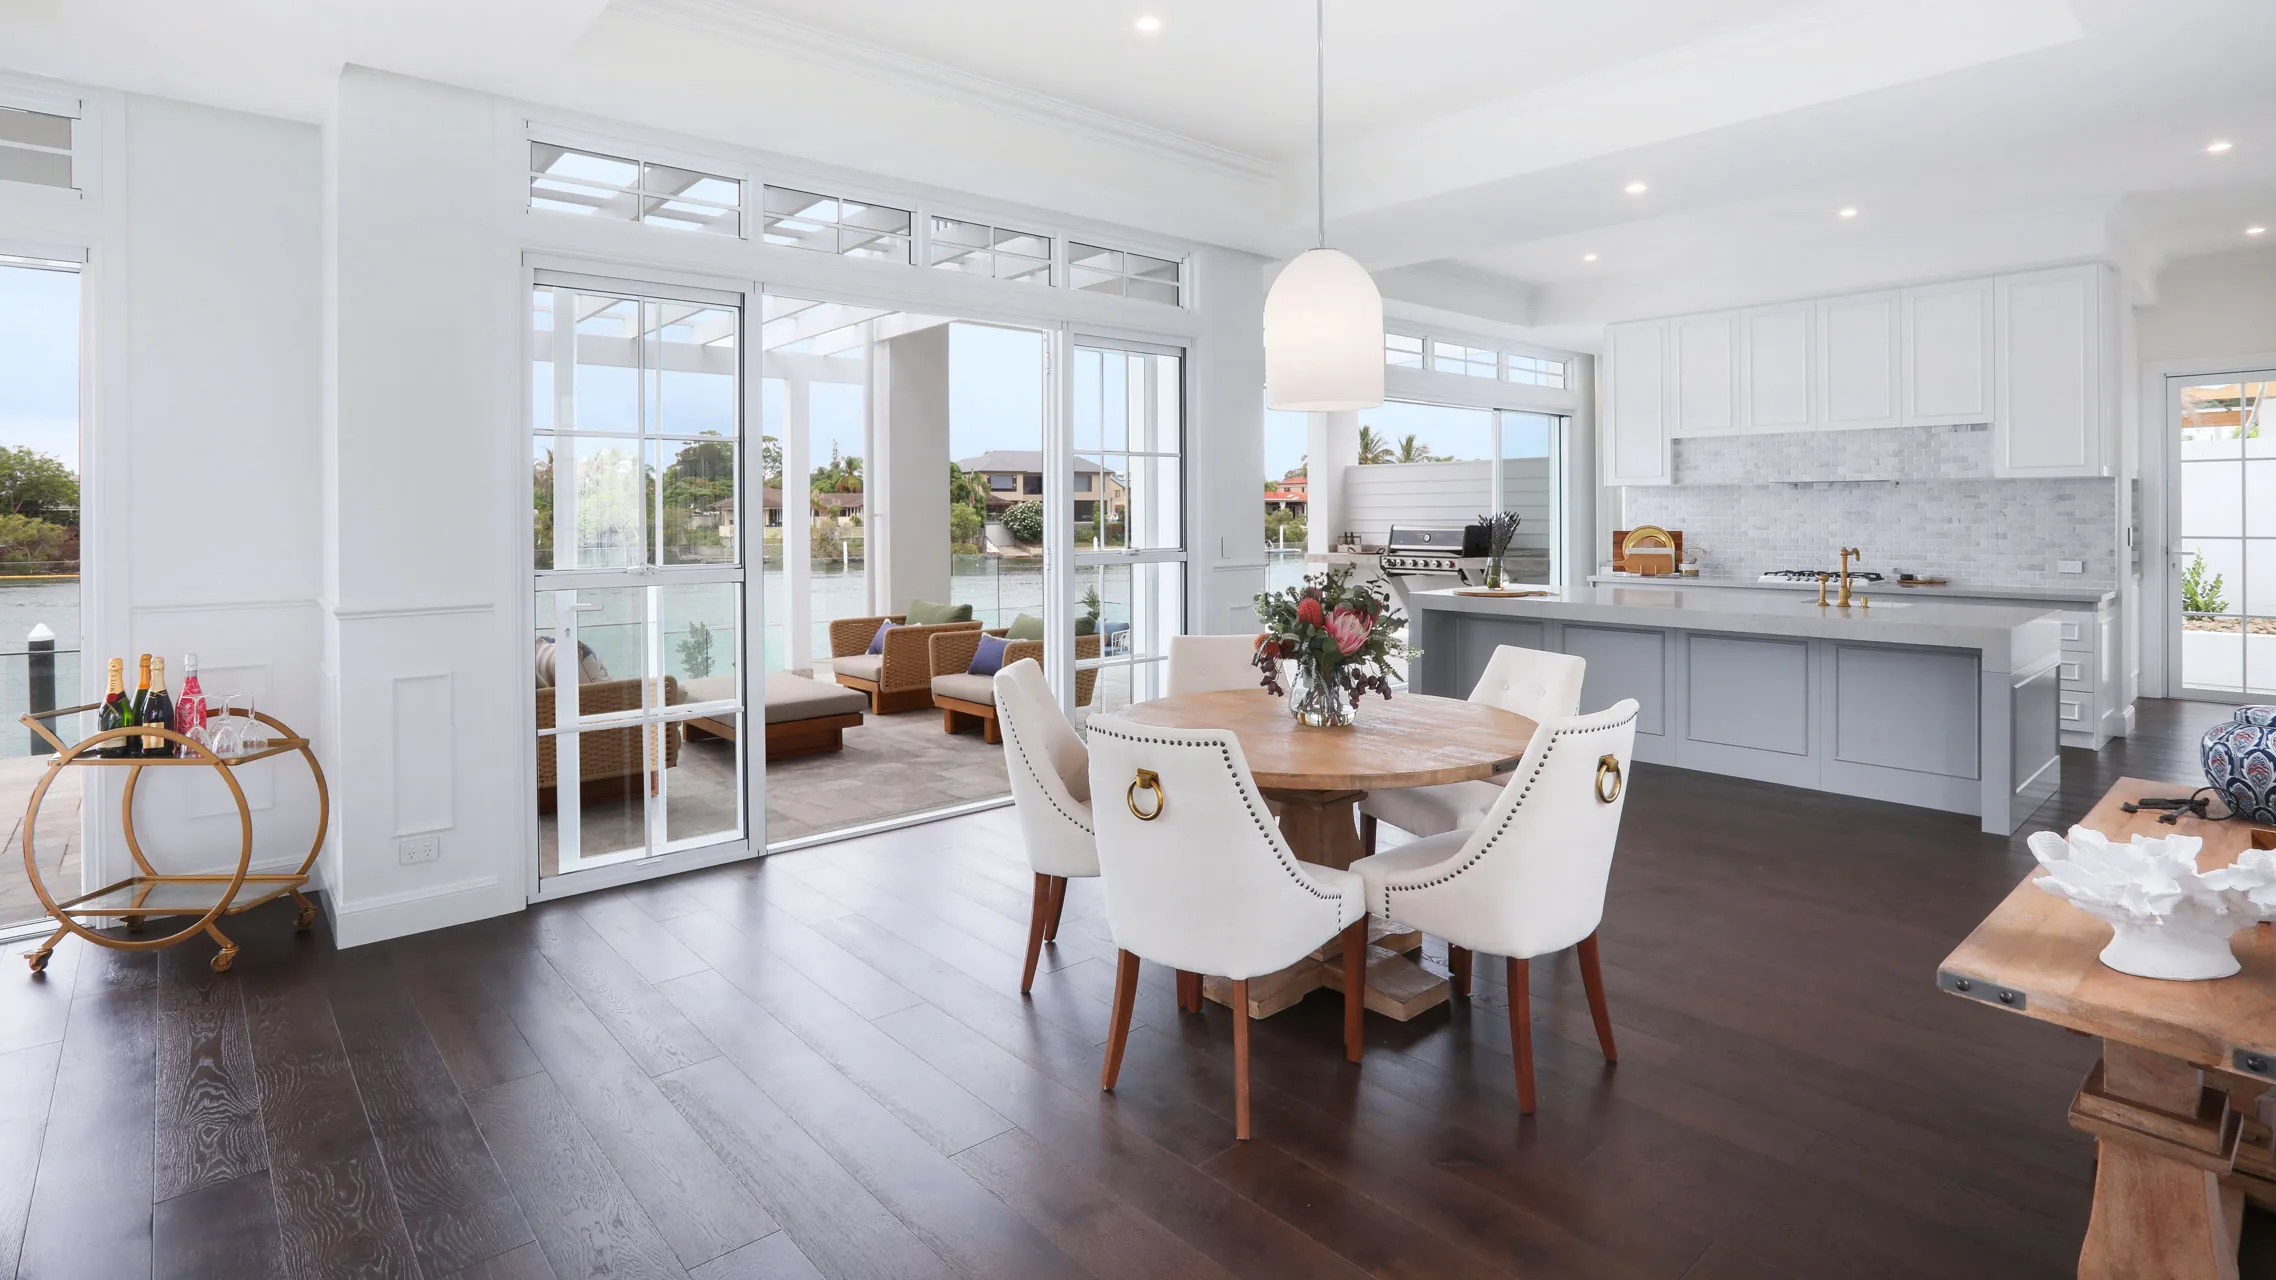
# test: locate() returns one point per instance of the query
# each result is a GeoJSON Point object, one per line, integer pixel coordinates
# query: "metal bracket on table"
{"type": "Point", "coordinates": [2253, 1062]}
{"type": "Point", "coordinates": [1978, 989]}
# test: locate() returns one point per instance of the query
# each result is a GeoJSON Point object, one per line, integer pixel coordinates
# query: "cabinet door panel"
{"type": "Point", "coordinates": [2049, 418]}
{"type": "Point", "coordinates": [1706, 374]}
{"type": "Point", "coordinates": [1947, 360]}
{"type": "Point", "coordinates": [1635, 417]}
{"type": "Point", "coordinates": [1774, 370]}
{"type": "Point", "coordinates": [1857, 361]}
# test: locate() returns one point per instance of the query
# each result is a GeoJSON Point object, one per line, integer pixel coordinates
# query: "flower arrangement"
{"type": "Point", "coordinates": [1338, 638]}
{"type": "Point", "coordinates": [1500, 531]}
{"type": "Point", "coordinates": [2169, 920]}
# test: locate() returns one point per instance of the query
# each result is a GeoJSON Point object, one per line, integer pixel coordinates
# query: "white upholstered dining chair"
{"type": "Point", "coordinates": [1205, 664]}
{"type": "Point", "coordinates": [1198, 878]}
{"type": "Point", "coordinates": [1051, 790]}
{"type": "Point", "coordinates": [1529, 880]}
{"type": "Point", "coordinates": [1533, 683]}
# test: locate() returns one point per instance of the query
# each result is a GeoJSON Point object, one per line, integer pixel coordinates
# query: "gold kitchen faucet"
{"type": "Point", "coordinates": [1846, 553]}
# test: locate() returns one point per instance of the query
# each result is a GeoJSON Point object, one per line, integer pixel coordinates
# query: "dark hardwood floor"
{"type": "Point", "coordinates": [820, 1065]}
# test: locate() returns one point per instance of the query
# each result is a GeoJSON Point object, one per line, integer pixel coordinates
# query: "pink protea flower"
{"type": "Point", "coordinates": [1350, 629]}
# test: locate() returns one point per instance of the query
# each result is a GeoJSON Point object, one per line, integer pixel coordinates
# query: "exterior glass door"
{"type": "Point", "coordinates": [2225, 569]}
{"type": "Point", "coordinates": [636, 461]}
{"type": "Point", "coordinates": [1127, 516]}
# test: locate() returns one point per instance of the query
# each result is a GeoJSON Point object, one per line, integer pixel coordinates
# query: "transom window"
{"type": "Point", "coordinates": [1405, 351]}
{"type": "Point", "coordinates": [1539, 371]}
{"type": "Point", "coordinates": [1402, 352]}
{"type": "Point", "coordinates": [564, 180]}
{"type": "Point", "coordinates": [1471, 362]}
{"type": "Point", "coordinates": [833, 224]}
{"type": "Point", "coordinates": [976, 248]}
{"type": "Point", "coordinates": [35, 147]}
{"type": "Point", "coordinates": [1096, 269]}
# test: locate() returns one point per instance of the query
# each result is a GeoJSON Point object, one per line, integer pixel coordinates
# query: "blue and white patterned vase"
{"type": "Point", "coordinates": [2240, 762]}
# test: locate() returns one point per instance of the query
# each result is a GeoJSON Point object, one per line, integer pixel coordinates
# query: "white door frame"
{"type": "Point", "coordinates": [2160, 610]}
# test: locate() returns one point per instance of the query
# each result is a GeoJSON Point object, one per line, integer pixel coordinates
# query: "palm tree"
{"type": "Point", "coordinates": [1413, 450]}
{"type": "Point", "coordinates": [1373, 452]}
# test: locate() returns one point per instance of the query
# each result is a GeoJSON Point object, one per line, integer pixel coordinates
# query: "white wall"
{"type": "Point", "coordinates": [908, 512]}
{"type": "Point", "coordinates": [1224, 443]}
{"type": "Point", "coordinates": [424, 649]}
{"type": "Point", "coordinates": [2212, 307]}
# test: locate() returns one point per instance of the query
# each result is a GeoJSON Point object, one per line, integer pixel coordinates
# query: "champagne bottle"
{"type": "Point", "coordinates": [189, 713]}
{"type": "Point", "coordinates": [114, 712]}
{"type": "Point", "coordinates": [140, 705]}
{"type": "Point", "coordinates": [158, 713]}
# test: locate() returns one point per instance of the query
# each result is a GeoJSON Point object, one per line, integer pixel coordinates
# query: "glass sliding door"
{"type": "Point", "coordinates": [638, 608]}
{"type": "Point", "coordinates": [2225, 572]}
{"type": "Point", "coordinates": [1126, 511]}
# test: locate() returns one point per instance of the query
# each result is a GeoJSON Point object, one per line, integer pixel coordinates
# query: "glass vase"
{"type": "Point", "coordinates": [1494, 574]}
{"type": "Point", "coordinates": [1317, 700]}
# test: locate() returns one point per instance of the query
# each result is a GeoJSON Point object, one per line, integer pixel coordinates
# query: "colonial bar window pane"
{"type": "Point", "coordinates": [35, 147]}
{"type": "Point", "coordinates": [1402, 352]}
{"type": "Point", "coordinates": [1473, 362]}
{"type": "Point", "coordinates": [1538, 371]}
{"type": "Point", "coordinates": [830, 224]}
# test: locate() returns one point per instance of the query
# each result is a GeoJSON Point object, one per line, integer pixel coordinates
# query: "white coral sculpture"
{"type": "Point", "coordinates": [2169, 919]}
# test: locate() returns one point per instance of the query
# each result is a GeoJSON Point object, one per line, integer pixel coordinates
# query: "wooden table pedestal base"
{"type": "Point", "coordinates": [2166, 1134]}
{"type": "Point", "coordinates": [1397, 987]}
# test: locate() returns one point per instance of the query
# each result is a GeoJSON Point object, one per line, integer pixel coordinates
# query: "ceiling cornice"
{"type": "Point", "coordinates": [727, 20]}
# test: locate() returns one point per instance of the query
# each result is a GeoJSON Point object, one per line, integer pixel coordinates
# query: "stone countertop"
{"type": "Point", "coordinates": [2089, 597]}
{"type": "Point", "coordinates": [2010, 637]}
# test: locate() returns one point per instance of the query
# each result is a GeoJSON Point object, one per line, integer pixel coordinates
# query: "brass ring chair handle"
{"type": "Point", "coordinates": [1152, 781]}
{"type": "Point", "coordinates": [1604, 765]}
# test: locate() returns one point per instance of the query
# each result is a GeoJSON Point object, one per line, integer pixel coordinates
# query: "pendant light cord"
{"type": "Point", "coordinates": [1320, 108]}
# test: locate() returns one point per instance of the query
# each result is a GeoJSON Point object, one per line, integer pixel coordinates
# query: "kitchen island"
{"type": "Point", "coordinates": [1946, 704]}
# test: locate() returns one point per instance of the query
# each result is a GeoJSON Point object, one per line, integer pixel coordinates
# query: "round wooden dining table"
{"type": "Point", "coordinates": [1317, 776]}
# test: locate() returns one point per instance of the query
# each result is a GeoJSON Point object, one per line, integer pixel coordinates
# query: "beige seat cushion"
{"type": "Point", "coordinates": [1430, 811]}
{"type": "Point", "coordinates": [792, 697]}
{"type": "Point", "coordinates": [980, 690]}
{"type": "Point", "coordinates": [709, 689]}
{"type": "Point", "coordinates": [861, 666]}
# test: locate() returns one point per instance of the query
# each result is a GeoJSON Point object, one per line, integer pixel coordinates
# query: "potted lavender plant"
{"type": "Point", "coordinates": [1500, 530]}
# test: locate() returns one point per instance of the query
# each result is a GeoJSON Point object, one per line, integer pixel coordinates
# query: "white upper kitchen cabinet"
{"type": "Point", "coordinates": [1636, 399]}
{"type": "Point", "coordinates": [1774, 367]}
{"type": "Point", "coordinates": [1857, 361]}
{"type": "Point", "coordinates": [2050, 413]}
{"type": "Point", "coordinates": [1706, 368]}
{"type": "Point", "coordinates": [1947, 353]}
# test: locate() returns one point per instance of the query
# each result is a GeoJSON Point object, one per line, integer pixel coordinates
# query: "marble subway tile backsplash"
{"type": "Point", "coordinates": [1918, 499]}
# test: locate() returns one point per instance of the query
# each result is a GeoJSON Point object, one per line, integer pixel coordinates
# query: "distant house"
{"type": "Point", "coordinates": [841, 505]}
{"type": "Point", "coordinates": [1289, 493]}
{"type": "Point", "coordinates": [1016, 475]}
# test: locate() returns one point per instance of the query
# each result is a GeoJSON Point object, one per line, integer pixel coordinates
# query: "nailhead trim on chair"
{"type": "Point", "coordinates": [1507, 818]}
{"type": "Point", "coordinates": [1251, 801]}
{"type": "Point", "coordinates": [1011, 737]}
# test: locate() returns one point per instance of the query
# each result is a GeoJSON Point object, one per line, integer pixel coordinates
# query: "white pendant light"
{"type": "Point", "coordinates": [1323, 320]}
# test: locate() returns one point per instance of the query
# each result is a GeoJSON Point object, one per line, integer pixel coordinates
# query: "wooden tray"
{"type": "Point", "coordinates": [1924, 582]}
{"type": "Point", "coordinates": [1503, 593]}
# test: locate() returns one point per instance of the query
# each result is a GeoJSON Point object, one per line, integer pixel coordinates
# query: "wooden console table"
{"type": "Point", "coordinates": [2174, 1103]}
{"type": "Point", "coordinates": [150, 893]}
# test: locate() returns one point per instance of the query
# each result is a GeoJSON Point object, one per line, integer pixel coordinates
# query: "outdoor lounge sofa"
{"type": "Point", "coordinates": [804, 717]}
{"type": "Point", "coordinates": [900, 678]}
{"type": "Point", "coordinates": [965, 699]}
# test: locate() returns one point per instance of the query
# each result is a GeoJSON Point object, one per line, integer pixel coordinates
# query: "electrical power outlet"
{"type": "Point", "coordinates": [419, 849]}
{"type": "Point", "coordinates": [2070, 566]}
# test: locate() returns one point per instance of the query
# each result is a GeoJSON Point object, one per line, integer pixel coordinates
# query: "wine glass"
{"type": "Point", "coordinates": [225, 733]}
{"type": "Point", "coordinates": [255, 734]}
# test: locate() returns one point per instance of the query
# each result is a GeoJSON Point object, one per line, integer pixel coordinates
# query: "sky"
{"type": "Point", "coordinates": [39, 361]}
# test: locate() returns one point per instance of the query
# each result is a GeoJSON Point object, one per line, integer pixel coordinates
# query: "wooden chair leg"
{"type": "Point", "coordinates": [1367, 835]}
{"type": "Point", "coordinates": [1521, 1032]}
{"type": "Point", "coordinates": [1189, 992]}
{"type": "Point", "coordinates": [1592, 980]}
{"type": "Point", "coordinates": [948, 719]}
{"type": "Point", "coordinates": [1058, 908]}
{"type": "Point", "coordinates": [1118, 1034]}
{"type": "Point", "coordinates": [1241, 1059]}
{"type": "Point", "coordinates": [1458, 961]}
{"type": "Point", "coordinates": [1037, 913]}
{"type": "Point", "coordinates": [1354, 987]}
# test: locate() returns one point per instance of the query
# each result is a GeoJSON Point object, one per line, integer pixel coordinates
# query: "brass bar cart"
{"type": "Point", "coordinates": [150, 894]}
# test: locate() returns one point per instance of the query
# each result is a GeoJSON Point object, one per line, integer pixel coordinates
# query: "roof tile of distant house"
{"type": "Point", "coordinates": [1017, 460]}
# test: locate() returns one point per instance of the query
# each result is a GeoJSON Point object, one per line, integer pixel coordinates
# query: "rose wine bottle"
{"type": "Point", "coordinates": [141, 704]}
{"type": "Point", "coordinates": [189, 713]}
{"type": "Point", "coordinates": [158, 713]}
{"type": "Point", "coordinates": [115, 712]}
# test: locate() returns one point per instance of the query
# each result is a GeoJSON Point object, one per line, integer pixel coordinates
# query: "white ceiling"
{"type": "Point", "coordinates": [1477, 148]}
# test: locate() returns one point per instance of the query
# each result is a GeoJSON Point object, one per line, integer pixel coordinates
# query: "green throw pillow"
{"type": "Point", "coordinates": [1025, 627]}
{"type": "Point", "coordinates": [924, 613]}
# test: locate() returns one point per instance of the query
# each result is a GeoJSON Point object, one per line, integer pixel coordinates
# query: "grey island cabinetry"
{"type": "Point", "coordinates": [1946, 704]}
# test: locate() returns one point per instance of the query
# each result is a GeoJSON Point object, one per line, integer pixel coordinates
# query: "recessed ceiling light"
{"type": "Point", "coordinates": [1149, 24]}
{"type": "Point", "coordinates": [1588, 257]}
{"type": "Point", "coordinates": [1636, 188]}
{"type": "Point", "coordinates": [1848, 211]}
{"type": "Point", "coordinates": [2255, 230]}
{"type": "Point", "coordinates": [2218, 146]}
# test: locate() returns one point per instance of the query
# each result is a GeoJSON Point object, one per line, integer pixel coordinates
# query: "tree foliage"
{"type": "Point", "coordinates": [1374, 451]}
{"type": "Point", "coordinates": [34, 484]}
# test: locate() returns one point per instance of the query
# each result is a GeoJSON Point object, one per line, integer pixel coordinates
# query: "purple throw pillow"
{"type": "Point", "coordinates": [988, 659]}
{"type": "Point", "coordinates": [877, 642]}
